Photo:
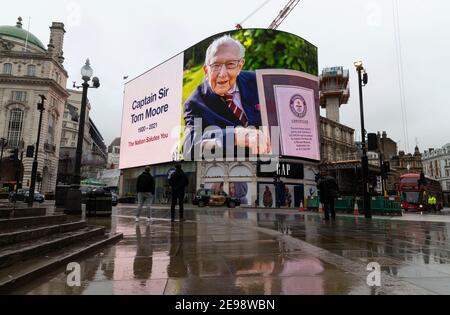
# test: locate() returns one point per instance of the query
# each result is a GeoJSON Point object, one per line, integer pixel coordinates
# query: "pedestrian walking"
{"type": "Point", "coordinates": [329, 190]}
{"type": "Point", "coordinates": [267, 198]}
{"type": "Point", "coordinates": [178, 181]}
{"type": "Point", "coordinates": [145, 190]}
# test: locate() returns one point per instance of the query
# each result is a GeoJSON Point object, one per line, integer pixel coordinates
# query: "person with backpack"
{"type": "Point", "coordinates": [145, 188]}
{"type": "Point", "coordinates": [178, 181]}
{"type": "Point", "coordinates": [329, 191]}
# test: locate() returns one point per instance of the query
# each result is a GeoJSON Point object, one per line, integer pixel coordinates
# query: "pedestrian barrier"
{"type": "Point", "coordinates": [347, 204]}
{"type": "Point", "coordinates": [343, 204]}
{"type": "Point", "coordinates": [313, 203]}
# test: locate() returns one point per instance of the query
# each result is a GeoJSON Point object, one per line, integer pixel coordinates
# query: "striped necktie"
{"type": "Point", "coordinates": [239, 113]}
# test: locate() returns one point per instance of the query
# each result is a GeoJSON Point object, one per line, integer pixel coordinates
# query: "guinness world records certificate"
{"type": "Point", "coordinates": [290, 100]}
{"type": "Point", "coordinates": [296, 115]}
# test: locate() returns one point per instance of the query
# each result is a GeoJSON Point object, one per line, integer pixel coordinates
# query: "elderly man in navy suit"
{"type": "Point", "coordinates": [228, 97]}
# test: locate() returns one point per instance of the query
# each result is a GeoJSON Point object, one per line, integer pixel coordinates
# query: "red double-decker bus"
{"type": "Point", "coordinates": [415, 192]}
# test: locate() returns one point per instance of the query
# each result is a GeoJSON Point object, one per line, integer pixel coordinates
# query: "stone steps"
{"type": "Point", "coordinates": [15, 223]}
{"type": "Point", "coordinates": [34, 242]}
{"type": "Point", "coordinates": [31, 233]}
{"type": "Point", "coordinates": [23, 272]}
{"type": "Point", "coordinates": [32, 248]}
{"type": "Point", "coordinates": [22, 212]}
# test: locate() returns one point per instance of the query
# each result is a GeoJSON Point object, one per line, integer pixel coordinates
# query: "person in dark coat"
{"type": "Point", "coordinates": [145, 188]}
{"type": "Point", "coordinates": [329, 190]}
{"type": "Point", "coordinates": [228, 97]}
{"type": "Point", "coordinates": [178, 181]}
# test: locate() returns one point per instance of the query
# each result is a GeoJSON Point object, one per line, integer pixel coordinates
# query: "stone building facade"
{"type": "Point", "coordinates": [94, 156]}
{"type": "Point", "coordinates": [69, 136]}
{"type": "Point", "coordinates": [387, 146]}
{"type": "Point", "coordinates": [336, 141]}
{"type": "Point", "coordinates": [114, 154]}
{"type": "Point", "coordinates": [408, 163]}
{"type": "Point", "coordinates": [436, 165]}
{"type": "Point", "coordinates": [29, 69]}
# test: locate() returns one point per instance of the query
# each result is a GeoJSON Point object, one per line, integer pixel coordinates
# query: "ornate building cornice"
{"type": "Point", "coordinates": [34, 56]}
{"type": "Point", "coordinates": [35, 81]}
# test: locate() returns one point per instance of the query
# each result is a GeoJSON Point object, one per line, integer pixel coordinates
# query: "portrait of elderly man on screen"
{"type": "Point", "coordinates": [226, 100]}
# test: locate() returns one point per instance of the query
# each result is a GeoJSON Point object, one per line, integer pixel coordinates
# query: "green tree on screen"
{"type": "Point", "coordinates": [277, 50]}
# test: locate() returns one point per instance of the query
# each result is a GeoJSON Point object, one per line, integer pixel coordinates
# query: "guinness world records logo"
{"type": "Point", "coordinates": [298, 106]}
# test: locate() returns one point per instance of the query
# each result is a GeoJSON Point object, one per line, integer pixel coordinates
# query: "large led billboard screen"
{"type": "Point", "coordinates": [247, 92]}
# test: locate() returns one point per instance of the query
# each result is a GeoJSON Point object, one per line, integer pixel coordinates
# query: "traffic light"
{"type": "Point", "coordinates": [386, 167]}
{"type": "Point", "coordinates": [373, 180]}
{"type": "Point", "coordinates": [28, 182]}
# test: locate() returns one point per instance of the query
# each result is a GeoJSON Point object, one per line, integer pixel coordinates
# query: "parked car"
{"type": "Point", "coordinates": [209, 197]}
{"type": "Point", "coordinates": [23, 194]}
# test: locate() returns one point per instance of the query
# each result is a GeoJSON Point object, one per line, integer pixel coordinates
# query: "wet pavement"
{"type": "Point", "coordinates": [261, 252]}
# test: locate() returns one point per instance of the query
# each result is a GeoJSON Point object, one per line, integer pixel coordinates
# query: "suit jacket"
{"type": "Point", "coordinates": [213, 110]}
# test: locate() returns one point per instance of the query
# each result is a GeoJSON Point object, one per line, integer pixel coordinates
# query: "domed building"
{"type": "Point", "coordinates": [28, 69]}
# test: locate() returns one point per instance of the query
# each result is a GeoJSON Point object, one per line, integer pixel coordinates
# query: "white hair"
{"type": "Point", "coordinates": [222, 41]}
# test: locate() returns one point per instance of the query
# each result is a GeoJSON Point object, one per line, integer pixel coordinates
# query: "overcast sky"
{"type": "Point", "coordinates": [130, 37]}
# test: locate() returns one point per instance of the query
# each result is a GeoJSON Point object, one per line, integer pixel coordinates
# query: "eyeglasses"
{"type": "Point", "coordinates": [229, 65]}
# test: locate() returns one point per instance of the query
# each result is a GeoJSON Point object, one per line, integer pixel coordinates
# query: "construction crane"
{"type": "Point", "coordinates": [239, 25]}
{"type": "Point", "coordinates": [279, 19]}
{"type": "Point", "coordinates": [283, 14]}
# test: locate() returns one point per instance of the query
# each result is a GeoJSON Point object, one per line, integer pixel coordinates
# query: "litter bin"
{"type": "Point", "coordinates": [99, 203]}
{"type": "Point", "coordinates": [61, 195]}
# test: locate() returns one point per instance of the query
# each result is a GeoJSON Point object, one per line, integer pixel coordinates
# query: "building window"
{"type": "Point", "coordinates": [7, 68]}
{"type": "Point", "coordinates": [54, 102]}
{"type": "Point", "coordinates": [31, 70]}
{"type": "Point", "coordinates": [51, 130]}
{"type": "Point", "coordinates": [15, 127]}
{"type": "Point", "coordinates": [19, 96]}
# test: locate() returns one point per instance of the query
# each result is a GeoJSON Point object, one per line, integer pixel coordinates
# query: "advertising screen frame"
{"type": "Point", "coordinates": [310, 64]}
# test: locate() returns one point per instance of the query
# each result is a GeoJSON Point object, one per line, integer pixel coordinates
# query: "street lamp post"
{"type": "Point", "coordinates": [40, 107]}
{"type": "Point", "coordinates": [362, 80]}
{"type": "Point", "coordinates": [3, 144]}
{"type": "Point", "coordinates": [73, 202]}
